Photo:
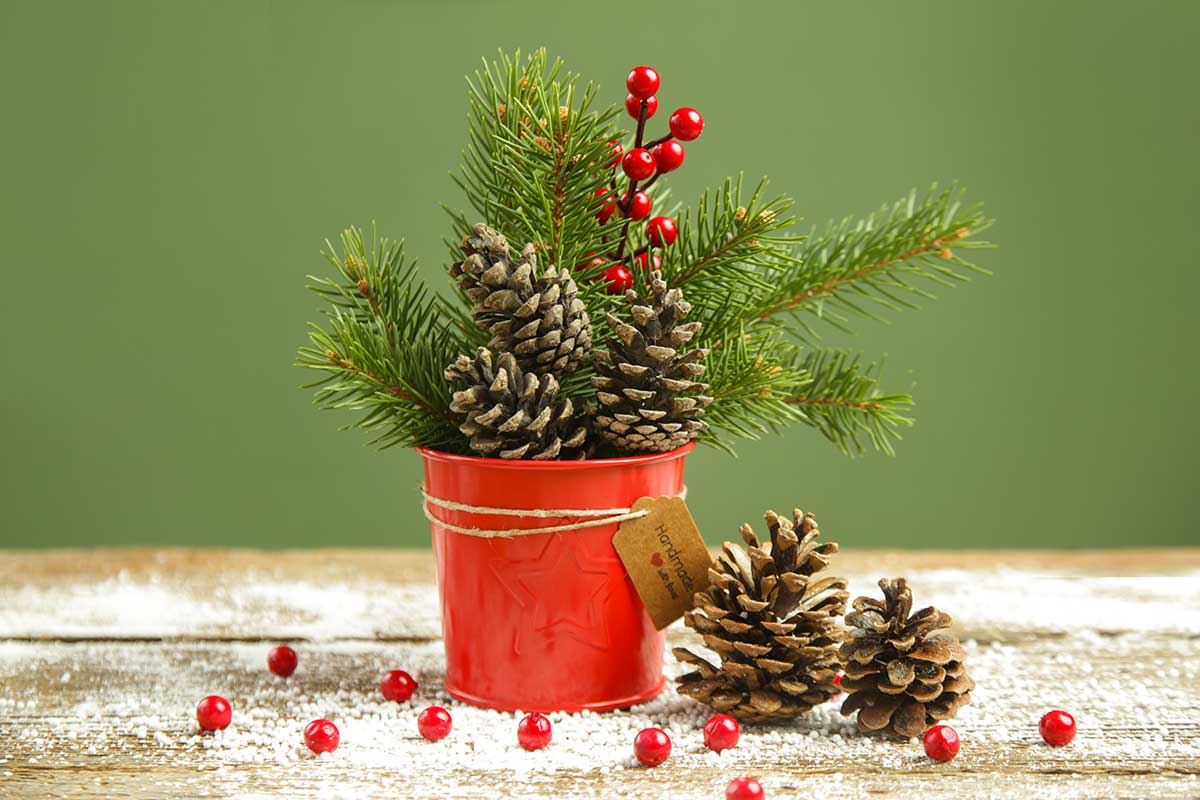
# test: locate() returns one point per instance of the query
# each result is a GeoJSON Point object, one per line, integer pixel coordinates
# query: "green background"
{"type": "Point", "coordinates": [170, 170]}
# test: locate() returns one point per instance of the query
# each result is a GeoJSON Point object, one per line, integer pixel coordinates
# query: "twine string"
{"type": "Point", "coordinates": [607, 516]}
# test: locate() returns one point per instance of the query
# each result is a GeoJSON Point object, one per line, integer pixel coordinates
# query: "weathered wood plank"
{"type": "Point", "coordinates": [127, 705]}
{"type": "Point", "coordinates": [110, 715]}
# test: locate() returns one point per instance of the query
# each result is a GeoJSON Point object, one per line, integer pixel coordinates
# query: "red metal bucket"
{"type": "Point", "coordinates": [544, 621]}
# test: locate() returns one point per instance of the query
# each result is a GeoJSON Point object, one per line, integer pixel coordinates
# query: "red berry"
{"type": "Point", "coordinates": [638, 164]}
{"type": "Point", "coordinates": [686, 123]}
{"type": "Point", "coordinates": [669, 156]}
{"type": "Point", "coordinates": [397, 686]}
{"type": "Point", "coordinates": [652, 746]}
{"type": "Point", "coordinates": [639, 208]}
{"type": "Point", "coordinates": [533, 731]}
{"type": "Point", "coordinates": [214, 713]}
{"type": "Point", "coordinates": [593, 262]}
{"type": "Point", "coordinates": [321, 736]}
{"type": "Point", "coordinates": [607, 209]}
{"type": "Point", "coordinates": [434, 723]}
{"type": "Point", "coordinates": [282, 660]}
{"type": "Point", "coordinates": [941, 743]}
{"type": "Point", "coordinates": [744, 789]}
{"type": "Point", "coordinates": [661, 231]}
{"type": "Point", "coordinates": [619, 279]}
{"type": "Point", "coordinates": [642, 260]}
{"type": "Point", "coordinates": [642, 81]}
{"type": "Point", "coordinates": [633, 106]}
{"type": "Point", "coordinates": [1057, 728]}
{"type": "Point", "coordinates": [721, 732]}
{"type": "Point", "coordinates": [615, 148]}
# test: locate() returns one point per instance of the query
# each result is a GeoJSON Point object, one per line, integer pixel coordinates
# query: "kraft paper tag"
{"type": "Point", "coordinates": [665, 557]}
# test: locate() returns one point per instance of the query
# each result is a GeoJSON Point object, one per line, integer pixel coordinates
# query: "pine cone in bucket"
{"type": "Point", "coordinates": [774, 622]}
{"type": "Point", "coordinates": [903, 673]}
{"type": "Point", "coordinates": [538, 318]}
{"type": "Point", "coordinates": [651, 401]}
{"type": "Point", "coordinates": [513, 414]}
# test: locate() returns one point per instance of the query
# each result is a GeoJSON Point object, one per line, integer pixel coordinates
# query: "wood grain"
{"type": "Point", "coordinates": [96, 693]}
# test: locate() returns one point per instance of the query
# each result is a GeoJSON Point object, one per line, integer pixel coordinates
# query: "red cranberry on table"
{"type": "Point", "coordinates": [434, 723]}
{"type": "Point", "coordinates": [214, 713]}
{"type": "Point", "coordinates": [652, 746]}
{"type": "Point", "coordinates": [533, 731]}
{"type": "Point", "coordinates": [941, 743]}
{"type": "Point", "coordinates": [721, 732]}
{"type": "Point", "coordinates": [397, 686]}
{"type": "Point", "coordinates": [321, 736]}
{"type": "Point", "coordinates": [1057, 728]}
{"type": "Point", "coordinates": [642, 82]}
{"type": "Point", "coordinates": [744, 789]}
{"type": "Point", "coordinates": [282, 661]}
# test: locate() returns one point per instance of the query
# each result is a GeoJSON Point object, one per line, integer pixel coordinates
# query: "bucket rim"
{"type": "Point", "coordinates": [586, 464]}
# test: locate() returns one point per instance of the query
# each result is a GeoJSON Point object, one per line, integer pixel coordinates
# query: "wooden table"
{"type": "Point", "coordinates": [103, 655]}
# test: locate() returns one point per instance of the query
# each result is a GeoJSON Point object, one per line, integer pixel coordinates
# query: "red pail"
{"type": "Point", "coordinates": [543, 621]}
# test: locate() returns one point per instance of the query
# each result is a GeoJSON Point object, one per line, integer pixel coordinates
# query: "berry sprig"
{"type": "Point", "coordinates": [643, 165]}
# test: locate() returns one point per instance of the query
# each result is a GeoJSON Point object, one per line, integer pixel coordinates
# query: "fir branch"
{"type": "Point", "coordinates": [751, 384]}
{"type": "Point", "coordinates": [841, 399]}
{"type": "Point", "coordinates": [882, 259]}
{"type": "Point", "coordinates": [385, 344]}
{"type": "Point", "coordinates": [537, 153]}
{"type": "Point", "coordinates": [729, 251]}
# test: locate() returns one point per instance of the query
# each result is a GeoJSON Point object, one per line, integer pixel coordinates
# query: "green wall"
{"type": "Point", "coordinates": [170, 170]}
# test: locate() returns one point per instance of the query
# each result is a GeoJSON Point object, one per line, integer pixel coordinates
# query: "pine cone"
{"type": "Point", "coordinates": [651, 401]}
{"type": "Point", "coordinates": [774, 624]}
{"type": "Point", "coordinates": [540, 320]}
{"type": "Point", "coordinates": [903, 673]}
{"type": "Point", "coordinates": [514, 414]}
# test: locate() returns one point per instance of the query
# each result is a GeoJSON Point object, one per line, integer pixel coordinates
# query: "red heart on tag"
{"type": "Point", "coordinates": [656, 559]}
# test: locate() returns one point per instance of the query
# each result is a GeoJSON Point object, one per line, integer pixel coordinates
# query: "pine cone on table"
{"type": "Point", "coordinates": [774, 622]}
{"type": "Point", "coordinates": [538, 318]}
{"type": "Point", "coordinates": [651, 401]}
{"type": "Point", "coordinates": [903, 673]}
{"type": "Point", "coordinates": [514, 414]}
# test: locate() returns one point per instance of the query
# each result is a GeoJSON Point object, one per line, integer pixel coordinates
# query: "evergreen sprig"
{"type": "Point", "coordinates": [537, 167]}
{"type": "Point", "coordinates": [536, 155]}
{"type": "Point", "coordinates": [385, 344]}
{"type": "Point", "coordinates": [842, 400]}
{"type": "Point", "coordinates": [886, 260]}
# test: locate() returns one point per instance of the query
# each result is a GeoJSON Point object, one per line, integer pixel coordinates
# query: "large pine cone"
{"type": "Point", "coordinates": [774, 624]}
{"type": "Point", "coordinates": [650, 399]}
{"type": "Point", "coordinates": [539, 319]}
{"type": "Point", "coordinates": [903, 673]}
{"type": "Point", "coordinates": [514, 414]}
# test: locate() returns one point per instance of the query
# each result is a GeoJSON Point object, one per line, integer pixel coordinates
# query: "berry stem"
{"type": "Point", "coordinates": [633, 184]}
{"type": "Point", "coordinates": [660, 140]}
